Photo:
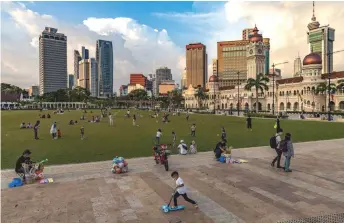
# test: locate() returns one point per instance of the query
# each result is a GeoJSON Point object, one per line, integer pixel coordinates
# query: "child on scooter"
{"type": "Point", "coordinates": [180, 190]}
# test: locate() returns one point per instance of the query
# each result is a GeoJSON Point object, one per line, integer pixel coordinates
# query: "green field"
{"type": "Point", "coordinates": [104, 142]}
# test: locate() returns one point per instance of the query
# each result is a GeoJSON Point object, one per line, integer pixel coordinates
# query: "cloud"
{"type": "Point", "coordinates": [137, 47]}
{"type": "Point", "coordinates": [285, 23]}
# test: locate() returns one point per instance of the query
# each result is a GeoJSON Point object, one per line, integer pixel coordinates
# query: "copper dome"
{"type": "Point", "coordinates": [312, 58]}
{"type": "Point", "coordinates": [256, 37]}
{"type": "Point", "coordinates": [213, 78]}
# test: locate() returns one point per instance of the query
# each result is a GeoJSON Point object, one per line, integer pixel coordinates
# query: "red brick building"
{"type": "Point", "coordinates": [138, 79]}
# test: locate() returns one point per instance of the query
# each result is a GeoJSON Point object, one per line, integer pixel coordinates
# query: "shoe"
{"type": "Point", "coordinates": [280, 167]}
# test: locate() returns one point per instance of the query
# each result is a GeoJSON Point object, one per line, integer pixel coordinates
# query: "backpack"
{"type": "Point", "coordinates": [284, 146]}
{"type": "Point", "coordinates": [184, 147]}
{"type": "Point", "coordinates": [273, 143]}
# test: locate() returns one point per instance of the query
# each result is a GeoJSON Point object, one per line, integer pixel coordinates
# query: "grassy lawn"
{"type": "Point", "coordinates": [104, 142]}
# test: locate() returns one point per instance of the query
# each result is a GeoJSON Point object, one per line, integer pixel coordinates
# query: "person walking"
{"type": "Point", "coordinates": [82, 132]}
{"type": "Point", "coordinates": [174, 139]}
{"type": "Point", "coordinates": [158, 136]}
{"type": "Point", "coordinates": [193, 130]}
{"type": "Point", "coordinates": [35, 129]}
{"type": "Point", "coordinates": [110, 119]}
{"type": "Point", "coordinates": [278, 125]}
{"type": "Point", "coordinates": [53, 130]}
{"type": "Point", "coordinates": [249, 122]}
{"type": "Point", "coordinates": [134, 120]}
{"type": "Point", "coordinates": [278, 149]}
{"type": "Point", "coordinates": [288, 151]}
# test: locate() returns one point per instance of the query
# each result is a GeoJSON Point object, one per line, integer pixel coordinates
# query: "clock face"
{"type": "Point", "coordinates": [260, 51]}
{"type": "Point", "coordinates": [251, 51]}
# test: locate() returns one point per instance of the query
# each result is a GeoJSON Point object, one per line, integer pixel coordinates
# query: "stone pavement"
{"type": "Point", "coordinates": [251, 192]}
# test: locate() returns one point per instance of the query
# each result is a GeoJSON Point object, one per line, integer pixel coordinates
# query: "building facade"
{"type": "Point", "coordinates": [165, 87]}
{"type": "Point", "coordinates": [70, 81]}
{"type": "Point", "coordinates": [161, 74]}
{"type": "Point", "coordinates": [94, 83]}
{"type": "Point", "coordinates": [84, 53]}
{"type": "Point", "coordinates": [320, 40]}
{"type": "Point", "coordinates": [52, 61]}
{"type": "Point", "coordinates": [132, 87]}
{"type": "Point", "coordinates": [84, 74]}
{"type": "Point", "coordinates": [123, 90]}
{"type": "Point", "coordinates": [77, 59]}
{"type": "Point", "coordinates": [138, 79]}
{"type": "Point", "coordinates": [104, 57]}
{"type": "Point", "coordinates": [297, 67]}
{"type": "Point", "coordinates": [246, 33]}
{"type": "Point", "coordinates": [196, 64]}
{"type": "Point", "coordinates": [33, 91]}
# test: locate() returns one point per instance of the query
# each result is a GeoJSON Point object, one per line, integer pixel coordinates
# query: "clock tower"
{"type": "Point", "coordinates": [255, 55]}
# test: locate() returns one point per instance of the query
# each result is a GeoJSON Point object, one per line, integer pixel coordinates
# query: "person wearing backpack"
{"type": "Point", "coordinates": [275, 143]}
{"type": "Point", "coordinates": [288, 151]}
{"type": "Point", "coordinates": [183, 148]}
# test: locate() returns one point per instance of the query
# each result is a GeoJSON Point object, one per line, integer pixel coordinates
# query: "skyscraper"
{"type": "Point", "coordinates": [84, 53]}
{"type": "Point", "coordinates": [196, 64]}
{"type": "Point", "coordinates": [320, 39]}
{"type": "Point", "coordinates": [246, 33]}
{"type": "Point", "coordinates": [161, 74]}
{"type": "Point", "coordinates": [84, 74]}
{"type": "Point", "coordinates": [70, 81]}
{"type": "Point", "coordinates": [52, 61]}
{"type": "Point", "coordinates": [297, 66]}
{"type": "Point", "coordinates": [104, 57]}
{"type": "Point", "coordinates": [94, 83]}
{"type": "Point", "coordinates": [77, 59]}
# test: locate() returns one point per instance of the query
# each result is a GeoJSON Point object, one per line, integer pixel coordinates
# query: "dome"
{"type": "Point", "coordinates": [312, 58]}
{"type": "Point", "coordinates": [256, 37]}
{"type": "Point", "coordinates": [213, 78]}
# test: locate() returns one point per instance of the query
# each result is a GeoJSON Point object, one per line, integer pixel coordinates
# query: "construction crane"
{"type": "Point", "coordinates": [273, 84]}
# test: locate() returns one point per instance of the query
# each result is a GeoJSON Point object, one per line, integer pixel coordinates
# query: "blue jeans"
{"type": "Point", "coordinates": [157, 140]}
{"type": "Point", "coordinates": [287, 163]}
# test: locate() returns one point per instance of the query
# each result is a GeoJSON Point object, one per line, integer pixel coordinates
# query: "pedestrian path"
{"type": "Point", "coordinates": [251, 192]}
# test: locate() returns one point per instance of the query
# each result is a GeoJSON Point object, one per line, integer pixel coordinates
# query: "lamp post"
{"type": "Point", "coordinates": [273, 85]}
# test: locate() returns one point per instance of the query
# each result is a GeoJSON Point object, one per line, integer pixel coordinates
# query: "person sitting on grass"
{"type": "Point", "coordinates": [23, 159]}
{"type": "Point", "coordinates": [219, 149]}
{"type": "Point", "coordinates": [22, 125]}
{"type": "Point", "coordinates": [71, 122]}
{"type": "Point", "coordinates": [183, 148]}
{"type": "Point", "coordinates": [29, 126]}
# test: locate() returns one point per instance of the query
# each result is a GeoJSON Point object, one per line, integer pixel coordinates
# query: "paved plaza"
{"type": "Point", "coordinates": [250, 192]}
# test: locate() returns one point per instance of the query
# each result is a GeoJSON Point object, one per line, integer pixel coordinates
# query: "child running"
{"type": "Point", "coordinates": [180, 190]}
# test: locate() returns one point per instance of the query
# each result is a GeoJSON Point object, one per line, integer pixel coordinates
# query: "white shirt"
{"type": "Point", "coordinates": [181, 148]}
{"type": "Point", "coordinates": [110, 117]}
{"type": "Point", "coordinates": [180, 190]}
{"type": "Point", "coordinates": [158, 134]}
{"type": "Point", "coordinates": [193, 149]}
{"type": "Point", "coordinates": [278, 140]}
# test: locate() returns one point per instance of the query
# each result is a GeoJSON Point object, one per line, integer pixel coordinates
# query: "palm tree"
{"type": "Point", "coordinates": [260, 83]}
{"type": "Point", "coordinates": [324, 88]}
{"type": "Point", "coordinates": [200, 95]}
{"type": "Point", "coordinates": [340, 84]}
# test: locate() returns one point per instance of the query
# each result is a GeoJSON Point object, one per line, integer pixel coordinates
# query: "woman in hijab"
{"type": "Point", "coordinates": [53, 130]}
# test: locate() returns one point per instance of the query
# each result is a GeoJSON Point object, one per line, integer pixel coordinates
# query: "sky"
{"type": "Point", "coordinates": [149, 35]}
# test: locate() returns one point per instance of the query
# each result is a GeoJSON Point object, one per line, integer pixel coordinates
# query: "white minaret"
{"type": "Point", "coordinates": [255, 55]}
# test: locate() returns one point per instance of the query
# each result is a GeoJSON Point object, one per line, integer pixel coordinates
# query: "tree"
{"type": "Point", "coordinates": [138, 95]}
{"type": "Point", "coordinates": [176, 97]}
{"type": "Point", "coordinates": [260, 83]}
{"type": "Point", "coordinates": [200, 95]}
{"type": "Point", "coordinates": [324, 88]}
{"type": "Point", "coordinates": [340, 84]}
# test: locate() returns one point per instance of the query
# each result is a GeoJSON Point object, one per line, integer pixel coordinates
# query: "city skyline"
{"type": "Point", "coordinates": [142, 45]}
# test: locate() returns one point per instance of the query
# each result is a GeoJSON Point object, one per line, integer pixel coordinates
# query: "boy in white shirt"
{"type": "Point", "coordinates": [180, 190]}
{"type": "Point", "coordinates": [158, 135]}
{"type": "Point", "coordinates": [183, 148]}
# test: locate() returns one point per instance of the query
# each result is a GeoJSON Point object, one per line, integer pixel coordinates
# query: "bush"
{"type": "Point", "coordinates": [259, 115]}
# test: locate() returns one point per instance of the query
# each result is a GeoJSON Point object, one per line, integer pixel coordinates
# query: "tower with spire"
{"type": "Point", "coordinates": [297, 66]}
{"type": "Point", "coordinates": [320, 40]}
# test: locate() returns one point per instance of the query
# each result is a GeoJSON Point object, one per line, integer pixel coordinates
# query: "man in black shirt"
{"type": "Point", "coordinates": [249, 122]}
{"type": "Point", "coordinates": [220, 148]}
{"type": "Point", "coordinates": [24, 158]}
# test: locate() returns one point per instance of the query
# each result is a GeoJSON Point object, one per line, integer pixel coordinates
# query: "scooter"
{"type": "Point", "coordinates": [166, 208]}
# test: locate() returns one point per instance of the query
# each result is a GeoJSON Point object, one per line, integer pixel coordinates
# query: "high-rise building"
{"type": "Point", "coordinates": [320, 39]}
{"type": "Point", "coordinates": [123, 90]}
{"type": "Point", "coordinates": [214, 67]}
{"type": "Point", "coordinates": [84, 73]}
{"type": "Point", "coordinates": [246, 33]}
{"type": "Point", "coordinates": [166, 86]}
{"type": "Point", "coordinates": [52, 61]}
{"type": "Point", "coordinates": [149, 83]}
{"type": "Point", "coordinates": [70, 81]}
{"type": "Point", "coordinates": [94, 83]}
{"type": "Point", "coordinates": [231, 56]}
{"type": "Point", "coordinates": [84, 53]}
{"type": "Point", "coordinates": [104, 57]}
{"type": "Point", "coordinates": [297, 66]}
{"type": "Point", "coordinates": [138, 79]}
{"type": "Point", "coordinates": [196, 64]}
{"type": "Point", "coordinates": [266, 42]}
{"type": "Point", "coordinates": [77, 59]}
{"type": "Point", "coordinates": [183, 81]}
{"type": "Point", "coordinates": [33, 91]}
{"type": "Point", "coordinates": [161, 74]}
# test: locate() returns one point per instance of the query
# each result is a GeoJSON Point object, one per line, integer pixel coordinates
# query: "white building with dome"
{"type": "Point", "coordinates": [291, 94]}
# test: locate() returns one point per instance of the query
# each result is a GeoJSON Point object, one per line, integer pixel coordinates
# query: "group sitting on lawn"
{"type": "Point", "coordinates": [24, 126]}
{"type": "Point", "coordinates": [183, 148]}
